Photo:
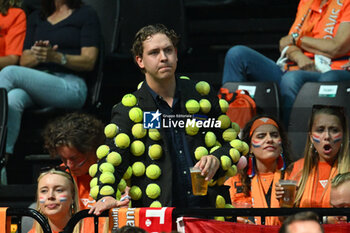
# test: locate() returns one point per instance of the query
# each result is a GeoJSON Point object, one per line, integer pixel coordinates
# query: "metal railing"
{"type": "Point", "coordinates": [20, 212]}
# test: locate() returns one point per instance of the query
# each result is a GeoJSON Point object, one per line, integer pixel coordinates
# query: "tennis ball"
{"type": "Point", "coordinates": [154, 134]}
{"type": "Point", "coordinates": [236, 143]}
{"type": "Point", "coordinates": [155, 151]}
{"type": "Point", "coordinates": [122, 185]}
{"type": "Point", "coordinates": [93, 170]}
{"type": "Point", "coordinates": [192, 106]}
{"type": "Point", "coordinates": [245, 149]}
{"type": "Point", "coordinates": [211, 183]}
{"type": "Point", "coordinates": [106, 190]}
{"type": "Point", "coordinates": [220, 201]}
{"type": "Point", "coordinates": [106, 167]}
{"type": "Point", "coordinates": [153, 171]}
{"type": "Point", "coordinates": [114, 158]}
{"type": "Point", "coordinates": [210, 139]}
{"type": "Point", "coordinates": [229, 134]}
{"type": "Point", "coordinates": [232, 171]}
{"type": "Point", "coordinates": [139, 85]}
{"type": "Point", "coordinates": [225, 121]}
{"type": "Point", "coordinates": [137, 148]}
{"type": "Point", "coordinates": [236, 127]}
{"type": "Point", "coordinates": [192, 130]}
{"type": "Point", "coordinates": [136, 114]}
{"type": "Point", "coordinates": [223, 105]}
{"type": "Point", "coordinates": [184, 77]}
{"type": "Point", "coordinates": [111, 130]}
{"type": "Point", "coordinates": [214, 149]}
{"type": "Point", "coordinates": [138, 131]}
{"type": "Point", "coordinates": [122, 140]}
{"type": "Point", "coordinates": [135, 192]}
{"type": "Point", "coordinates": [235, 155]}
{"type": "Point", "coordinates": [205, 105]}
{"type": "Point", "coordinates": [138, 169]}
{"type": "Point", "coordinates": [200, 152]}
{"type": "Point", "coordinates": [153, 191]}
{"type": "Point", "coordinates": [203, 88]}
{"type": "Point", "coordinates": [127, 175]}
{"type": "Point", "coordinates": [107, 178]}
{"type": "Point", "coordinates": [102, 151]}
{"type": "Point", "coordinates": [219, 218]}
{"type": "Point", "coordinates": [118, 195]}
{"type": "Point", "coordinates": [225, 162]}
{"type": "Point", "coordinates": [242, 163]}
{"type": "Point", "coordinates": [94, 191]}
{"type": "Point", "coordinates": [229, 206]}
{"type": "Point", "coordinates": [129, 100]}
{"type": "Point", "coordinates": [93, 182]}
{"type": "Point", "coordinates": [156, 204]}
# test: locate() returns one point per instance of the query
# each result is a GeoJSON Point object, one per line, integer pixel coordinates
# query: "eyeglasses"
{"type": "Point", "coordinates": [64, 169]}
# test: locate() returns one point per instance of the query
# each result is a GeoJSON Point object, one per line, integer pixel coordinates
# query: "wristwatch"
{"type": "Point", "coordinates": [63, 59]}
{"type": "Point", "coordinates": [295, 36]}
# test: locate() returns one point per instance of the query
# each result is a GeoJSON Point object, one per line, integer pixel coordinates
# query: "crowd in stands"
{"type": "Point", "coordinates": [126, 164]}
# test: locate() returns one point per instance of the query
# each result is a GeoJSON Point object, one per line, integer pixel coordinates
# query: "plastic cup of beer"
{"type": "Point", "coordinates": [288, 198]}
{"type": "Point", "coordinates": [199, 184]}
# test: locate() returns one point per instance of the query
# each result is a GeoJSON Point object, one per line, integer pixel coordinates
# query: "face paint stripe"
{"type": "Point", "coordinates": [338, 137]}
{"type": "Point", "coordinates": [42, 199]}
{"type": "Point", "coordinates": [256, 144]}
{"type": "Point", "coordinates": [316, 139]}
{"type": "Point", "coordinates": [63, 198]}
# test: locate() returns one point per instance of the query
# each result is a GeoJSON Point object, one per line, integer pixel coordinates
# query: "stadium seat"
{"type": "Point", "coordinates": [265, 94]}
{"type": "Point", "coordinates": [312, 93]}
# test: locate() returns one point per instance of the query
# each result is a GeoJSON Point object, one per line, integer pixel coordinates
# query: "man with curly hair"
{"type": "Point", "coordinates": [74, 138]}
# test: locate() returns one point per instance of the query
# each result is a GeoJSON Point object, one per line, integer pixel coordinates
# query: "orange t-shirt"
{"type": "Point", "coordinates": [260, 185]}
{"type": "Point", "coordinates": [86, 202]}
{"type": "Point", "coordinates": [318, 186]}
{"type": "Point", "coordinates": [322, 22]}
{"type": "Point", "coordinates": [12, 32]}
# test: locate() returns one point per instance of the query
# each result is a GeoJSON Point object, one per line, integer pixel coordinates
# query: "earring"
{"type": "Point", "coordinates": [72, 207]}
{"type": "Point", "coordinates": [281, 165]}
{"type": "Point", "coordinates": [251, 166]}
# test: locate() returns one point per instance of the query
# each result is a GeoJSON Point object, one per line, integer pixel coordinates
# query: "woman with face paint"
{"type": "Point", "coordinates": [57, 199]}
{"type": "Point", "coordinates": [326, 154]}
{"type": "Point", "coordinates": [268, 156]}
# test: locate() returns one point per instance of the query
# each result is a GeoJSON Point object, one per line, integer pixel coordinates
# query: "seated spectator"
{"type": "Point", "coordinates": [340, 196]}
{"type": "Point", "coordinates": [53, 64]}
{"type": "Point", "coordinates": [317, 42]}
{"type": "Point", "coordinates": [326, 155]}
{"type": "Point", "coordinates": [303, 222]}
{"type": "Point", "coordinates": [75, 138]}
{"type": "Point", "coordinates": [57, 199]}
{"type": "Point", "coordinates": [268, 154]}
{"type": "Point", "coordinates": [340, 191]}
{"type": "Point", "coordinates": [12, 33]}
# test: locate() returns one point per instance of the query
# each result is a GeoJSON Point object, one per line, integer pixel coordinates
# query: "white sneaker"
{"type": "Point", "coordinates": [3, 176]}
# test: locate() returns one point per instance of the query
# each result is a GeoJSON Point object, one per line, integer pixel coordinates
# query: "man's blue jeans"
{"type": "Point", "coordinates": [27, 87]}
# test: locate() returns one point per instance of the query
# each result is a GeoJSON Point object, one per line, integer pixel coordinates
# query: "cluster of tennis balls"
{"type": "Point", "coordinates": [104, 173]}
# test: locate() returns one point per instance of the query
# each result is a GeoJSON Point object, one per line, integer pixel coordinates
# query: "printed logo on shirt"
{"type": "Point", "coordinates": [86, 201]}
{"type": "Point", "coordinates": [323, 183]}
{"type": "Point", "coordinates": [151, 120]}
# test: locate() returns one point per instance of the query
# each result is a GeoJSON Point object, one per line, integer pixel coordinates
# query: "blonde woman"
{"type": "Point", "coordinates": [57, 199]}
{"type": "Point", "coordinates": [326, 154]}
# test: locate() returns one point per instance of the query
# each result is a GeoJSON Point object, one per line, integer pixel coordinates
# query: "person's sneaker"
{"type": "Point", "coordinates": [3, 176]}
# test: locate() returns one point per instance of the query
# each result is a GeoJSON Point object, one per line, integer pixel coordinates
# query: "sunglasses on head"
{"type": "Point", "coordinates": [61, 168]}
